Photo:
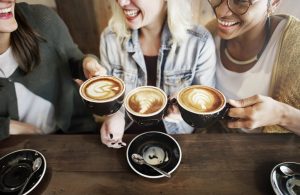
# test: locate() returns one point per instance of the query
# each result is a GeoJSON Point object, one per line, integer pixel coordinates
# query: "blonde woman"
{"type": "Point", "coordinates": [154, 43]}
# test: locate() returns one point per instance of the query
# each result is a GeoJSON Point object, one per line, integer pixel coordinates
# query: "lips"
{"type": "Point", "coordinates": [6, 13]}
{"type": "Point", "coordinates": [227, 23]}
{"type": "Point", "coordinates": [131, 13]}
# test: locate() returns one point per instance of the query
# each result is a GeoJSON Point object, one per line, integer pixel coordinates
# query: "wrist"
{"type": "Point", "coordinates": [284, 111]}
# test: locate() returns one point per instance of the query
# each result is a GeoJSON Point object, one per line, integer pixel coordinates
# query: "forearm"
{"type": "Point", "coordinates": [17, 127]}
{"type": "Point", "coordinates": [290, 118]}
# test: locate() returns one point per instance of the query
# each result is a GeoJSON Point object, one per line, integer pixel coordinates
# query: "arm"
{"type": "Point", "coordinates": [259, 111]}
{"type": "Point", "coordinates": [206, 64]}
{"type": "Point", "coordinates": [17, 127]}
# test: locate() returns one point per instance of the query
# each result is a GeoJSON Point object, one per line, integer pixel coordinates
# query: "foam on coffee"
{"type": "Point", "coordinates": [146, 100]}
{"type": "Point", "coordinates": [201, 99]}
{"type": "Point", "coordinates": [102, 88]}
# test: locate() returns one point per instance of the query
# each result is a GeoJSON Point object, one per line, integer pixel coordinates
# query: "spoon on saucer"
{"type": "Point", "coordinates": [35, 167]}
{"type": "Point", "coordinates": [287, 171]}
{"type": "Point", "coordinates": [138, 159]}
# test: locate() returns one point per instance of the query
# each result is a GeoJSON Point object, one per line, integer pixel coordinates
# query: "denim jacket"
{"type": "Point", "coordinates": [194, 62]}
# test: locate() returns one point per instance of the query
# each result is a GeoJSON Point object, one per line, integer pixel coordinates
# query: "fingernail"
{"type": "Point", "coordinates": [111, 135]}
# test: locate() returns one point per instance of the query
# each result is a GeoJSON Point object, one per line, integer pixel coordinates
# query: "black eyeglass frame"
{"type": "Point", "coordinates": [229, 7]}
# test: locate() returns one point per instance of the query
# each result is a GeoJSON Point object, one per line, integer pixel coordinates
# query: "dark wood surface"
{"type": "Point", "coordinates": [211, 164]}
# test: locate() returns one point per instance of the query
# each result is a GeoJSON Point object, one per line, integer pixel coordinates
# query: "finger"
{"type": "Point", "coordinates": [245, 102]}
{"type": "Point", "coordinates": [241, 123]}
{"type": "Point", "coordinates": [237, 113]}
{"type": "Point", "coordinates": [78, 81]}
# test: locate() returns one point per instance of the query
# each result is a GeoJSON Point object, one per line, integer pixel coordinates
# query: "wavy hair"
{"type": "Point", "coordinates": [25, 43]}
{"type": "Point", "coordinates": [179, 19]}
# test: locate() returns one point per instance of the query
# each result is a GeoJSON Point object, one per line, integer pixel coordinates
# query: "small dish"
{"type": "Point", "coordinates": [15, 168]}
{"type": "Point", "coordinates": [158, 149]}
{"type": "Point", "coordinates": [283, 184]}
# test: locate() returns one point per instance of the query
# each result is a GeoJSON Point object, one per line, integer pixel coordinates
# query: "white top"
{"type": "Point", "coordinates": [254, 81]}
{"type": "Point", "coordinates": [32, 109]}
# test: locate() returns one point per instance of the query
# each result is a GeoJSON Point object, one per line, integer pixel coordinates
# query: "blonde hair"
{"type": "Point", "coordinates": [179, 19]}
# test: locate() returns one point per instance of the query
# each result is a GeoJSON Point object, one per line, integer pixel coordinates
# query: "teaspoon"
{"type": "Point", "coordinates": [140, 160]}
{"type": "Point", "coordinates": [287, 171]}
{"type": "Point", "coordinates": [35, 166]}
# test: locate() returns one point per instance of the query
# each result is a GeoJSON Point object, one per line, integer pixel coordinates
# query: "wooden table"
{"type": "Point", "coordinates": [211, 164]}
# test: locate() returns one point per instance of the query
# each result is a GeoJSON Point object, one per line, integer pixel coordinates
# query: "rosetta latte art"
{"type": "Point", "coordinates": [146, 102]}
{"type": "Point", "coordinates": [201, 100]}
{"type": "Point", "coordinates": [101, 90]}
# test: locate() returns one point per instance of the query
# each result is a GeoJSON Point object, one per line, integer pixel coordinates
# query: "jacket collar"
{"type": "Point", "coordinates": [132, 44]}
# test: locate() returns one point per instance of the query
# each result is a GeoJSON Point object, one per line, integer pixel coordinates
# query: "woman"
{"type": "Point", "coordinates": [37, 92]}
{"type": "Point", "coordinates": [259, 64]}
{"type": "Point", "coordinates": [153, 43]}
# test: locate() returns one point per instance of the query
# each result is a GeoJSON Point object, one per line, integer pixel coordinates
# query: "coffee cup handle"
{"type": "Point", "coordinates": [224, 114]}
{"type": "Point", "coordinates": [128, 121]}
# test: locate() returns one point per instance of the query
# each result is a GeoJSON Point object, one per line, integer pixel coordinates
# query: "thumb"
{"type": "Point", "coordinates": [245, 102]}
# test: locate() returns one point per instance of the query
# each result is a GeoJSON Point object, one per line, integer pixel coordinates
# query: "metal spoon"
{"type": "Point", "coordinates": [139, 160]}
{"type": "Point", "coordinates": [35, 166]}
{"type": "Point", "coordinates": [287, 171]}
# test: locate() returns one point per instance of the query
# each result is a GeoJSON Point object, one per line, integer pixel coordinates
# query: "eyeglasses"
{"type": "Point", "coordinates": [239, 7]}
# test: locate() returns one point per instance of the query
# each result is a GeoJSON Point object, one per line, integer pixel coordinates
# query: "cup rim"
{"type": "Point", "coordinates": [150, 114]}
{"type": "Point", "coordinates": [101, 77]}
{"type": "Point", "coordinates": [202, 113]}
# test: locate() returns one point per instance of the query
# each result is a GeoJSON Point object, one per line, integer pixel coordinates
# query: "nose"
{"type": "Point", "coordinates": [223, 9]}
{"type": "Point", "coordinates": [123, 2]}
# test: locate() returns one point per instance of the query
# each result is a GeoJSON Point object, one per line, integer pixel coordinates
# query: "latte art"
{"type": "Point", "coordinates": [100, 89]}
{"type": "Point", "coordinates": [146, 102]}
{"type": "Point", "coordinates": [201, 99]}
{"type": "Point", "coordinates": [103, 89]}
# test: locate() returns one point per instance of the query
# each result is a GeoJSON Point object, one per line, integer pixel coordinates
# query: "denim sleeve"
{"type": "Point", "coordinates": [178, 128]}
{"type": "Point", "coordinates": [4, 127]}
{"type": "Point", "coordinates": [206, 64]}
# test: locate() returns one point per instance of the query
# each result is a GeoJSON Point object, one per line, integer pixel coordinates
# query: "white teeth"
{"type": "Point", "coordinates": [224, 23]}
{"type": "Point", "coordinates": [5, 10]}
{"type": "Point", "coordinates": [131, 13]}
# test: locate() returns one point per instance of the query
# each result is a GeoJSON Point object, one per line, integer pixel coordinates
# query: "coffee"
{"type": "Point", "coordinates": [146, 100]}
{"type": "Point", "coordinates": [201, 99]}
{"type": "Point", "coordinates": [102, 89]}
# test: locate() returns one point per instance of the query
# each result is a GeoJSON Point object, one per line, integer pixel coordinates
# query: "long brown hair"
{"type": "Point", "coordinates": [25, 44]}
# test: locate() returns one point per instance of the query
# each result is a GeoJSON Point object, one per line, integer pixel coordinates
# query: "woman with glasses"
{"type": "Point", "coordinates": [258, 64]}
{"type": "Point", "coordinates": [154, 43]}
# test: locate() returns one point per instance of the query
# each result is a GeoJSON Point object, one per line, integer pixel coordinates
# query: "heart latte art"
{"type": "Point", "coordinates": [146, 101]}
{"type": "Point", "coordinates": [201, 99]}
{"type": "Point", "coordinates": [102, 89]}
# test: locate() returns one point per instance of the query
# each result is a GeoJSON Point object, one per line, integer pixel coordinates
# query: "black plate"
{"type": "Point", "coordinates": [158, 149]}
{"type": "Point", "coordinates": [283, 184]}
{"type": "Point", "coordinates": [15, 168]}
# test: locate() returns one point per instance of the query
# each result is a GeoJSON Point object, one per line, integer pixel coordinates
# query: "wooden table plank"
{"type": "Point", "coordinates": [211, 164]}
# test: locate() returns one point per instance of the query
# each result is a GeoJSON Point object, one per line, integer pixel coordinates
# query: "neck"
{"type": "Point", "coordinates": [248, 47]}
{"type": "Point", "coordinates": [4, 42]}
{"type": "Point", "coordinates": [150, 37]}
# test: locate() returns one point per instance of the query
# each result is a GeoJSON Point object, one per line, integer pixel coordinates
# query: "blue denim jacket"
{"type": "Point", "coordinates": [194, 62]}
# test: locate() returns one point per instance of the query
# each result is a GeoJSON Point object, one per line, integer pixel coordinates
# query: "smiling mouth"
{"type": "Point", "coordinates": [131, 13]}
{"type": "Point", "coordinates": [227, 23]}
{"type": "Point", "coordinates": [5, 12]}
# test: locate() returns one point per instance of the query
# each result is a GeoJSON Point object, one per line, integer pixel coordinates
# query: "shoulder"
{"type": "Point", "coordinates": [199, 32]}
{"type": "Point", "coordinates": [36, 11]}
{"type": "Point", "coordinates": [41, 18]}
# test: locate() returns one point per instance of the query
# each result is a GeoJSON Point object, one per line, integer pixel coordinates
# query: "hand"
{"type": "Point", "coordinates": [253, 112]}
{"type": "Point", "coordinates": [92, 68]}
{"type": "Point", "coordinates": [17, 127]}
{"type": "Point", "coordinates": [112, 130]}
{"type": "Point", "coordinates": [173, 113]}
